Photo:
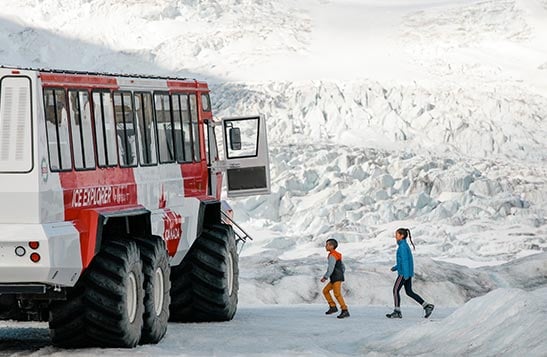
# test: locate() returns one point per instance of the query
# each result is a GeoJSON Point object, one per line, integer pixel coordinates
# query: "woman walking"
{"type": "Point", "coordinates": [405, 271]}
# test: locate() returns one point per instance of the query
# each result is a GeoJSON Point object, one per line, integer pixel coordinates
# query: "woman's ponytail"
{"type": "Point", "coordinates": [410, 237]}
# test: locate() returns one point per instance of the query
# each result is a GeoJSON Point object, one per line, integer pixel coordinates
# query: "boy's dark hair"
{"type": "Point", "coordinates": [333, 242]}
{"type": "Point", "coordinates": [405, 232]}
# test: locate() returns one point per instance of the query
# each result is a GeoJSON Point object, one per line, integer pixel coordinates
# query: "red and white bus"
{"type": "Point", "coordinates": [111, 220]}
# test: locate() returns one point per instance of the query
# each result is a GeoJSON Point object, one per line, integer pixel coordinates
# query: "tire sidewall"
{"type": "Point", "coordinates": [231, 250]}
{"type": "Point", "coordinates": [134, 266]}
{"type": "Point", "coordinates": [163, 264]}
{"type": "Point", "coordinates": [155, 326]}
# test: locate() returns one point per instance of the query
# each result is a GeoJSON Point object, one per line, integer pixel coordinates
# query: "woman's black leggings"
{"type": "Point", "coordinates": [408, 289]}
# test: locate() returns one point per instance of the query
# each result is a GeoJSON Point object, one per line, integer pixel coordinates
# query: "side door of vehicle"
{"type": "Point", "coordinates": [246, 156]}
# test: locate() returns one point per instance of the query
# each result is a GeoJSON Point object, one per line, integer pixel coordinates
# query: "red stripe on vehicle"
{"type": "Point", "coordinates": [85, 191]}
{"type": "Point", "coordinates": [104, 187]}
{"type": "Point", "coordinates": [76, 80]}
{"type": "Point", "coordinates": [187, 85]}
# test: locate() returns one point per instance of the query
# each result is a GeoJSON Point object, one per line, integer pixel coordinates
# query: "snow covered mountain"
{"type": "Point", "coordinates": [426, 114]}
{"type": "Point", "coordinates": [430, 115]}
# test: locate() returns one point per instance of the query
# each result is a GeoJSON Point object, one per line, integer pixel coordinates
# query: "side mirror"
{"type": "Point", "coordinates": [235, 139]}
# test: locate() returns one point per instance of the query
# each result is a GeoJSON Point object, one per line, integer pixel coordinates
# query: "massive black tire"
{"type": "Point", "coordinates": [205, 286]}
{"type": "Point", "coordinates": [157, 288]}
{"type": "Point", "coordinates": [105, 308]}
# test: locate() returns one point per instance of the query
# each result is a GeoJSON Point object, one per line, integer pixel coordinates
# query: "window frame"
{"type": "Point", "coordinates": [160, 93]}
{"type": "Point", "coordinates": [93, 140]}
{"type": "Point", "coordinates": [225, 134]}
{"type": "Point", "coordinates": [154, 127]}
{"type": "Point", "coordinates": [197, 111]}
{"type": "Point", "coordinates": [191, 135]}
{"type": "Point", "coordinates": [180, 96]}
{"type": "Point", "coordinates": [207, 100]}
{"type": "Point", "coordinates": [101, 91]}
{"type": "Point", "coordinates": [121, 93]}
{"type": "Point", "coordinates": [69, 128]}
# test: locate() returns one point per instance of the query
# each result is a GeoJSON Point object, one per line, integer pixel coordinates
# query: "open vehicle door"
{"type": "Point", "coordinates": [246, 154]}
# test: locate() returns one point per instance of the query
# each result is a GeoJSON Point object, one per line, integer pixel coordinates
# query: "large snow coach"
{"type": "Point", "coordinates": [111, 219]}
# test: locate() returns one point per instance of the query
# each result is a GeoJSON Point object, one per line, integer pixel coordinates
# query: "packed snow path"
{"type": "Point", "coordinates": [271, 330]}
{"type": "Point", "coordinates": [502, 322]}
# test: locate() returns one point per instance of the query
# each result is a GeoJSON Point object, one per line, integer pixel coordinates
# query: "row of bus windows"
{"type": "Point", "coordinates": [130, 128]}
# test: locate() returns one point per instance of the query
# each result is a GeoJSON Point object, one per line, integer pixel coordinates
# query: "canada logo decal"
{"type": "Point", "coordinates": [172, 230]}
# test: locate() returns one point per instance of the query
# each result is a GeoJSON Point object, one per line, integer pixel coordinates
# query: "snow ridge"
{"type": "Point", "coordinates": [503, 322]}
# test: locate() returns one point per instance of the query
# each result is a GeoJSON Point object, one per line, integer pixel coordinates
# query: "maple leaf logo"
{"type": "Point", "coordinates": [163, 201]}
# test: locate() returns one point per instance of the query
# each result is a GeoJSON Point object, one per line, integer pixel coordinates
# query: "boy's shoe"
{"type": "Point", "coordinates": [331, 310]}
{"type": "Point", "coordinates": [343, 314]}
{"type": "Point", "coordinates": [428, 310]}
{"type": "Point", "coordinates": [395, 315]}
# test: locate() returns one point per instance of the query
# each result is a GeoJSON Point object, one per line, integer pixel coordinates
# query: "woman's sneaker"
{"type": "Point", "coordinates": [331, 310]}
{"type": "Point", "coordinates": [395, 315]}
{"type": "Point", "coordinates": [428, 310]}
{"type": "Point", "coordinates": [343, 314]}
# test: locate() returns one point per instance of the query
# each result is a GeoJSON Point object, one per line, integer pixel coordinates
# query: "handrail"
{"type": "Point", "coordinates": [241, 237]}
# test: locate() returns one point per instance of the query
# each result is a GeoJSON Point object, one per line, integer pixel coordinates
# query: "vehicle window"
{"type": "Point", "coordinates": [81, 129]}
{"type": "Point", "coordinates": [164, 127]}
{"type": "Point", "coordinates": [57, 129]}
{"type": "Point", "coordinates": [125, 128]}
{"type": "Point", "coordinates": [178, 127]}
{"type": "Point", "coordinates": [146, 131]}
{"type": "Point", "coordinates": [187, 128]}
{"type": "Point", "coordinates": [205, 102]}
{"type": "Point", "coordinates": [242, 137]}
{"type": "Point", "coordinates": [105, 129]}
{"type": "Point", "coordinates": [195, 127]}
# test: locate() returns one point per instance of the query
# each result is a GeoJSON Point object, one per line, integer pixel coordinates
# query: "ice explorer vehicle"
{"type": "Point", "coordinates": [111, 218]}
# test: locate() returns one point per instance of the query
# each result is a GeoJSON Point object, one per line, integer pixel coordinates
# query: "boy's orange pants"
{"type": "Point", "coordinates": [337, 287]}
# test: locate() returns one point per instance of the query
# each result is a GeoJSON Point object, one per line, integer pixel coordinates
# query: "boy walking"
{"type": "Point", "coordinates": [335, 272]}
